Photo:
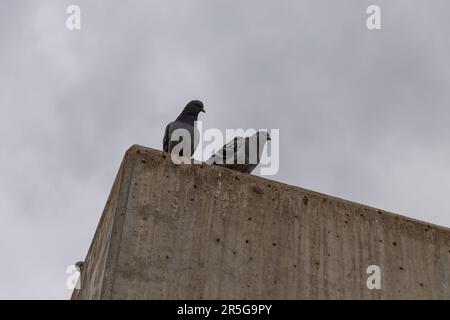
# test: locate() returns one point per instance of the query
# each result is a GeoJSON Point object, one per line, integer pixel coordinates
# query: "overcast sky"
{"type": "Point", "coordinates": [363, 115]}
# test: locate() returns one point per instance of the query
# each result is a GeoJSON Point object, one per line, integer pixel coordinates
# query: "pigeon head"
{"type": "Point", "coordinates": [194, 107]}
{"type": "Point", "coordinates": [79, 265]}
{"type": "Point", "coordinates": [191, 111]}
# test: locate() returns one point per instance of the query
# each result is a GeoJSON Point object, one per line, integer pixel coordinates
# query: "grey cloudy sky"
{"type": "Point", "coordinates": [363, 115]}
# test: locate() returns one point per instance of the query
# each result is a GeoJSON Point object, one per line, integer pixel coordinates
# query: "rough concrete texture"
{"type": "Point", "coordinates": [200, 232]}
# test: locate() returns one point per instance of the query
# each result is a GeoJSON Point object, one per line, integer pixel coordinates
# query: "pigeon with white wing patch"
{"type": "Point", "coordinates": [242, 153]}
{"type": "Point", "coordinates": [185, 121]}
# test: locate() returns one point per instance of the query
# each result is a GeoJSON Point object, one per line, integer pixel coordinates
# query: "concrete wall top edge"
{"type": "Point", "coordinates": [151, 154]}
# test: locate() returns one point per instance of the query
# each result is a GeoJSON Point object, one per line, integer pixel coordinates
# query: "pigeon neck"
{"type": "Point", "coordinates": [187, 118]}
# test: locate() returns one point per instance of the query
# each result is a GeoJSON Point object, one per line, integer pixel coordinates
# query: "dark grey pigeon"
{"type": "Point", "coordinates": [79, 265]}
{"type": "Point", "coordinates": [241, 154]}
{"type": "Point", "coordinates": [184, 121]}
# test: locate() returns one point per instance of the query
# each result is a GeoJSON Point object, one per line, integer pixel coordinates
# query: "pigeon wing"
{"type": "Point", "coordinates": [227, 154]}
{"type": "Point", "coordinates": [166, 139]}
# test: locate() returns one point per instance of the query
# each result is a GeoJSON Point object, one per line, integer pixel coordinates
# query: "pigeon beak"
{"type": "Point", "coordinates": [269, 139]}
{"type": "Point", "coordinates": [203, 110]}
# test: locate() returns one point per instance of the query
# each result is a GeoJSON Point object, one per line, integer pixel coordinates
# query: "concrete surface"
{"type": "Point", "coordinates": [201, 232]}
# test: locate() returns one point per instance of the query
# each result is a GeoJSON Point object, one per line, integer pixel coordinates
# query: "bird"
{"type": "Point", "coordinates": [242, 153]}
{"type": "Point", "coordinates": [186, 120]}
{"type": "Point", "coordinates": [79, 265]}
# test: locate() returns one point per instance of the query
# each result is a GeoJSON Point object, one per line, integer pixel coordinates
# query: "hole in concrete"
{"type": "Point", "coordinates": [274, 244]}
{"type": "Point", "coordinates": [195, 186]}
{"type": "Point", "coordinates": [257, 190]}
{"type": "Point", "coordinates": [295, 266]}
{"type": "Point", "coordinates": [379, 212]}
{"type": "Point", "coordinates": [167, 257]}
{"type": "Point", "coordinates": [305, 200]}
{"type": "Point", "coordinates": [250, 219]}
{"type": "Point", "coordinates": [401, 268]}
{"type": "Point", "coordinates": [217, 240]}
{"type": "Point", "coordinates": [421, 284]}
{"type": "Point", "coordinates": [394, 243]}
{"type": "Point", "coordinates": [246, 241]}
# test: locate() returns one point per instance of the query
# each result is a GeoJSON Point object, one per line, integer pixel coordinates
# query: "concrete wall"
{"type": "Point", "coordinates": [201, 232]}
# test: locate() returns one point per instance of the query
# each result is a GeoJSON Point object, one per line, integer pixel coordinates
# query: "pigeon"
{"type": "Point", "coordinates": [242, 153]}
{"type": "Point", "coordinates": [184, 121]}
{"type": "Point", "coordinates": [79, 265]}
